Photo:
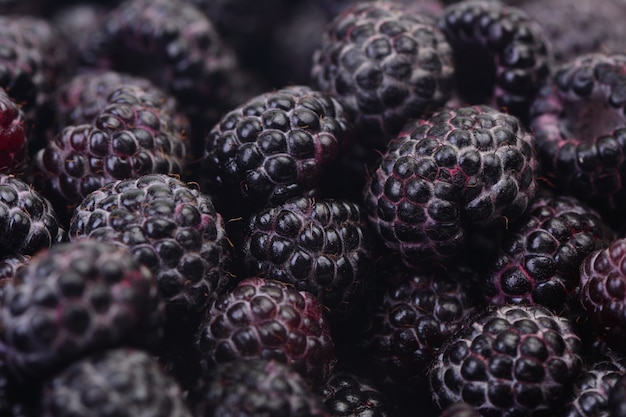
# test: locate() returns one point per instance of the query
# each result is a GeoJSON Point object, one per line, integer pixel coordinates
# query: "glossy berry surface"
{"type": "Point", "coordinates": [502, 56]}
{"type": "Point", "coordinates": [602, 291]}
{"type": "Point", "coordinates": [509, 360]}
{"type": "Point", "coordinates": [388, 63]}
{"type": "Point", "coordinates": [170, 227]}
{"type": "Point", "coordinates": [132, 136]}
{"type": "Point", "coordinates": [346, 394]}
{"type": "Point", "coordinates": [322, 246]}
{"type": "Point", "coordinates": [275, 146]}
{"type": "Point", "coordinates": [28, 221]}
{"type": "Point", "coordinates": [270, 320]}
{"type": "Point", "coordinates": [579, 122]}
{"type": "Point", "coordinates": [458, 169]}
{"type": "Point", "coordinates": [539, 258]}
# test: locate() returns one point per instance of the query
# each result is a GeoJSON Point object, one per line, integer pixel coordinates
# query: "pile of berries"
{"type": "Point", "coordinates": [333, 208]}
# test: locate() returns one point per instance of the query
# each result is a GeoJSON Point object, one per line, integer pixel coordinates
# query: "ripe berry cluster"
{"type": "Point", "coordinates": [312, 208]}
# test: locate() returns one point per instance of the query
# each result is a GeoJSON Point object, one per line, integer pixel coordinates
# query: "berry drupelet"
{"type": "Point", "coordinates": [75, 298]}
{"type": "Point", "coordinates": [508, 361]}
{"type": "Point", "coordinates": [602, 292]}
{"type": "Point", "coordinates": [28, 222]}
{"type": "Point", "coordinates": [322, 246]}
{"type": "Point", "coordinates": [579, 122]}
{"type": "Point", "coordinates": [594, 385]}
{"type": "Point", "coordinates": [617, 399]}
{"type": "Point", "coordinates": [349, 395]}
{"type": "Point", "coordinates": [170, 227]}
{"type": "Point", "coordinates": [388, 64]}
{"type": "Point", "coordinates": [131, 136]}
{"type": "Point", "coordinates": [539, 258]}
{"type": "Point", "coordinates": [255, 387]}
{"type": "Point", "coordinates": [275, 146]}
{"type": "Point", "coordinates": [459, 169]}
{"type": "Point", "coordinates": [116, 382]}
{"type": "Point", "coordinates": [501, 55]}
{"type": "Point", "coordinates": [270, 320]}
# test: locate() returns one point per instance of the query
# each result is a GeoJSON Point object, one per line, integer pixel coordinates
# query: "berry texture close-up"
{"type": "Point", "coordinates": [73, 299]}
{"type": "Point", "coordinates": [594, 385]}
{"type": "Point", "coordinates": [509, 361]}
{"type": "Point", "coordinates": [387, 62]}
{"type": "Point", "coordinates": [602, 291]}
{"type": "Point", "coordinates": [170, 227]}
{"type": "Point", "coordinates": [132, 136]}
{"type": "Point", "coordinates": [270, 320]}
{"type": "Point", "coordinates": [348, 395]}
{"type": "Point", "coordinates": [321, 246]}
{"type": "Point", "coordinates": [501, 55]}
{"type": "Point", "coordinates": [275, 146]}
{"type": "Point", "coordinates": [28, 222]}
{"type": "Point", "coordinates": [579, 122]}
{"type": "Point", "coordinates": [539, 258]}
{"type": "Point", "coordinates": [459, 169]}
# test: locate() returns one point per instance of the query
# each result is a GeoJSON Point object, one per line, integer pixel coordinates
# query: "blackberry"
{"type": "Point", "coordinates": [349, 395]}
{"type": "Point", "coordinates": [172, 43]}
{"type": "Point", "coordinates": [9, 265]}
{"type": "Point", "coordinates": [275, 146]}
{"type": "Point", "coordinates": [14, 133]}
{"type": "Point", "coordinates": [132, 136]}
{"type": "Point", "coordinates": [501, 55]}
{"type": "Point", "coordinates": [321, 246]}
{"type": "Point", "coordinates": [459, 169]}
{"type": "Point", "coordinates": [540, 257]}
{"type": "Point", "coordinates": [28, 222]}
{"type": "Point", "coordinates": [75, 298]}
{"type": "Point", "coordinates": [417, 313]}
{"type": "Point", "coordinates": [602, 294]}
{"type": "Point", "coordinates": [270, 320]}
{"type": "Point", "coordinates": [122, 382]}
{"type": "Point", "coordinates": [508, 360]}
{"type": "Point", "coordinates": [580, 128]}
{"type": "Point", "coordinates": [255, 387]}
{"type": "Point", "coordinates": [593, 387]}
{"type": "Point", "coordinates": [387, 63]}
{"type": "Point", "coordinates": [170, 227]}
